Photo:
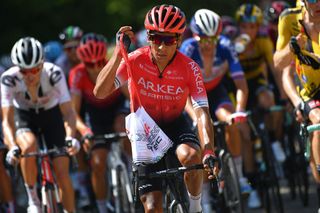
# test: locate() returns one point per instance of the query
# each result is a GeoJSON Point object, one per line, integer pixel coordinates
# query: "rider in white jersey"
{"type": "Point", "coordinates": [36, 102]}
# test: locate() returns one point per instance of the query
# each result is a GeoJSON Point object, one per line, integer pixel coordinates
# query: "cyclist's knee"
{"type": "Point", "coordinates": [151, 204]}
{"type": "Point", "coordinates": [98, 165]}
{"type": "Point", "coordinates": [266, 99]}
{"type": "Point", "coordinates": [188, 155]}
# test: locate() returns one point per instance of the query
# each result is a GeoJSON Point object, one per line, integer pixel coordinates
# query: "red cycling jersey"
{"type": "Point", "coordinates": [163, 97]}
{"type": "Point", "coordinates": [81, 84]}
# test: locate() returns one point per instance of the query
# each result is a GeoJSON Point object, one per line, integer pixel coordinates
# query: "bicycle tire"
{"type": "Point", "coordinates": [50, 203]}
{"type": "Point", "coordinates": [175, 196]}
{"type": "Point", "coordinates": [302, 180]}
{"type": "Point", "coordinates": [122, 202]}
{"type": "Point", "coordinates": [231, 191]}
{"type": "Point", "coordinates": [272, 198]}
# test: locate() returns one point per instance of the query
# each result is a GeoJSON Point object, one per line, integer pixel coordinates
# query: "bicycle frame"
{"type": "Point", "coordinates": [118, 170]}
{"type": "Point", "coordinates": [175, 203]}
{"type": "Point", "coordinates": [48, 181]}
{"type": "Point", "coordinates": [51, 201]}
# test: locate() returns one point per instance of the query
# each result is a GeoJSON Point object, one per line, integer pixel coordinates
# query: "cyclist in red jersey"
{"type": "Point", "coordinates": [104, 115]}
{"type": "Point", "coordinates": [164, 78]}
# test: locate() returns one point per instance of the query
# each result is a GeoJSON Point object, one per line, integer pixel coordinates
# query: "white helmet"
{"type": "Point", "coordinates": [27, 53]}
{"type": "Point", "coordinates": [206, 23]}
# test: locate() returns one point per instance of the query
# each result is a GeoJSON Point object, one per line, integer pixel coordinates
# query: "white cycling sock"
{"type": "Point", "coordinates": [102, 207]}
{"type": "Point", "coordinates": [33, 198]}
{"type": "Point", "coordinates": [195, 203]}
{"type": "Point", "coordinates": [238, 164]}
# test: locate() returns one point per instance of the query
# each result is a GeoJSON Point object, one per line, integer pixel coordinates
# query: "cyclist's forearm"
{"type": "Point", "coordinates": [283, 58]}
{"type": "Point", "coordinates": [8, 133]}
{"type": "Point", "coordinates": [205, 128]}
{"type": "Point", "coordinates": [80, 125]}
{"type": "Point", "coordinates": [69, 116]}
{"type": "Point", "coordinates": [105, 80]}
{"type": "Point", "coordinates": [241, 94]}
{"type": "Point", "coordinates": [289, 85]}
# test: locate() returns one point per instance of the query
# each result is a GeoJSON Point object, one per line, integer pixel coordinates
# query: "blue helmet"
{"type": "Point", "coordinates": [52, 50]}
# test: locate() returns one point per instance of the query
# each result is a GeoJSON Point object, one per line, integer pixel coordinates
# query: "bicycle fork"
{"type": "Point", "coordinates": [48, 185]}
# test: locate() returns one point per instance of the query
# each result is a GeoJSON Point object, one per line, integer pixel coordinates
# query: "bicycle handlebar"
{"type": "Point", "coordinates": [314, 127]}
{"type": "Point", "coordinates": [111, 137]}
{"type": "Point", "coordinates": [44, 153]}
{"type": "Point", "coordinates": [170, 172]}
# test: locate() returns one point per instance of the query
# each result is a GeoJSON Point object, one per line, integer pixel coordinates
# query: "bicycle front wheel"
{"type": "Point", "coordinates": [231, 191]}
{"type": "Point", "coordinates": [122, 191]}
{"type": "Point", "coordinates": [49, 200]}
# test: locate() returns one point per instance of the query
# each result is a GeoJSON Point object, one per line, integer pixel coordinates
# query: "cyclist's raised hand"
{"type": "Point", "coordinates": [12, 156]}
{"type": "Point", "coordinates": [73, 145]}
{"type": "Point", "coordinates": [127, 30]}
{"type": "Point", "coordinates": [210, 162]}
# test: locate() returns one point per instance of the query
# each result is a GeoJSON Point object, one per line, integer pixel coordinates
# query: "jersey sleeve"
{"type": "Point", "coordinates": [230, 55]}
{"type": "Point", "coordinates": [284, 34]}
{"type": "Point", "coordinates": [8, 84]}
{"type": "Point", "coordinates": [121, 75]}
{"type": "Point", "coordinates": [58, 81]}
{"type": "Point", "coordinates": [196, 86]}
{"type": "Point", "coordinates": [75, 81]}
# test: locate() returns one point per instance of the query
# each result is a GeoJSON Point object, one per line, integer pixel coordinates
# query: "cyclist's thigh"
{"type": "Point", "coordinates": [25, 130]}
{"type": "Point", "coordinates": [220, 103]}
{"type": "Point", "coordinates": [146, 185]}
{"type": "Point", "coordinates": [186, 143]}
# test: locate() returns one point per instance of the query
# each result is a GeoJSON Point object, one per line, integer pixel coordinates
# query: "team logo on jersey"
{"type": "Point", "coordinates": [9, 81]}
{"type": "Point", "coordinates": [160, 88]}
{"type": "Point", "coordinates": [55, 77]}
{"type": "Point", "coordinates": [197, 74]}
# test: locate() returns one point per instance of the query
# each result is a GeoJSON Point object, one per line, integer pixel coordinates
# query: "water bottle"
{"type": "Point", "coordinates": [241, 43]}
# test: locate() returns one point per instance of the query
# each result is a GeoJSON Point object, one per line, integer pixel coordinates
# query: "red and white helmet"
{"type": "Point", "coordinates": [165, 18]}
{"type": "Point", "coordinates": [92, 48]}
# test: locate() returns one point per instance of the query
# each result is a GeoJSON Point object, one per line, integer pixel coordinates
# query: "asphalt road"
{"type": "Point", "coordinates": [295, 206]}
{"type": "Point", "coordinates": [290, 206]}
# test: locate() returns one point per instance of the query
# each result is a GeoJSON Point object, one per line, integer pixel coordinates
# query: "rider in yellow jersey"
{"type": "Point", "coordinates": [303, 24]}
{"type": "Point", "coordinates": [255, 57]}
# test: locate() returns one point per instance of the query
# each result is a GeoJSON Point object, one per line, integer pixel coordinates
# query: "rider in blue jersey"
{"type": "Point", "coordinates": [215, 55]}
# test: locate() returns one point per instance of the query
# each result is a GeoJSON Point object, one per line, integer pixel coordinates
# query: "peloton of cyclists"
{"type": "Point", "coordinates": [104, 115]}
{"type": "Point", "coordinates": [164, 78]}
{"type": "Point", "coordinates": [302, 22]}
{"type": "Point", "coordinates": [215, 55]}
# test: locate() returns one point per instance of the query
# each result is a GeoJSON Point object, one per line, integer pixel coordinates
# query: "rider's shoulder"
{"type": "Point", "coordinates": [290, 13]}
{"type": "Point", "coordinates": [12, 71]}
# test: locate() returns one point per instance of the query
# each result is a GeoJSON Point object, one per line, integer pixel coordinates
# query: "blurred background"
{"type": "Point", "coordinates": [45, 19]}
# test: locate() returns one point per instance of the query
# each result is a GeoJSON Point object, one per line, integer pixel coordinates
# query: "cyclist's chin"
{"type": "Point", "coordinates": [31, 81]}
